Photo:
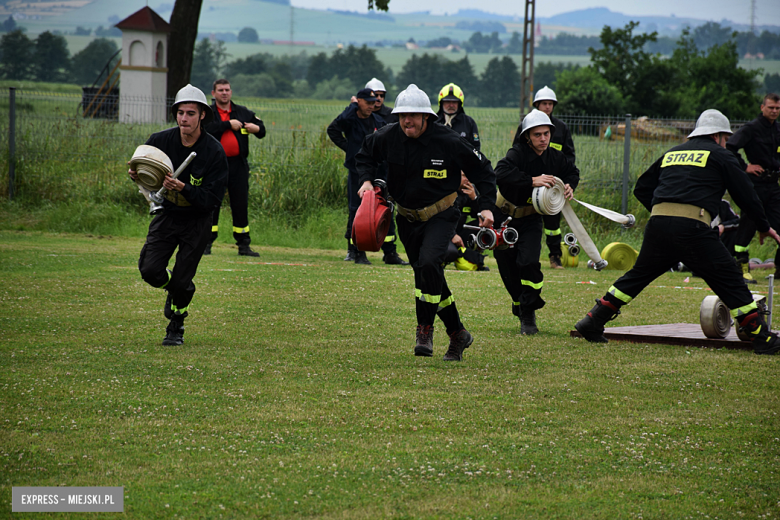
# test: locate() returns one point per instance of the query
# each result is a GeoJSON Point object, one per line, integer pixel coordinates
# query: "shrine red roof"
{"type": "Point", "coordinates": [145, 20]}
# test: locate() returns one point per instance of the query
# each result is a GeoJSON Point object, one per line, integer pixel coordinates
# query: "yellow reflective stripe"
{"type": "Point", "coordinates": [747, 309]}
{"type": "Point", "coordinates": [180, 311]}
{"type": "Point", "coordinates": [240, 230]}
{"type": "Point", "coordinates": [390, 238]}
{"type": "Point", "coordinates": [168, 272]}
{"type": "Point", "coordinates": [447, 302]}
{"type": "Point", "coordinates": [620, 295]}
{"type": "Point", "coordinates": [552, 232]}
{"type": "Point", "coordinates": [537, 286]}
{"type": "Point", "coordinates": [556, 146]}
{"type": "Point", "coordinates": [427, 298]}
{"type": "Point", "coordinates": [741, 249]}
{"type": "Point", "coordinates": [214, 229]}
{"type": "Point", "coordinates": [467, 209]}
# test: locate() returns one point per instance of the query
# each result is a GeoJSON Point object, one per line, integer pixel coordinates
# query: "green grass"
{"type": "Point", "coordinates": [279, 407]}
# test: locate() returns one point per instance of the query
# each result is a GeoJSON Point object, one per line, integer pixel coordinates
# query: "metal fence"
{"type": "Point", "coordinates": [56, 141]}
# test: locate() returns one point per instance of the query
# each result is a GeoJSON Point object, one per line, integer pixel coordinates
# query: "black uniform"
{"type": "Point", "coordinates": [468, 215]}
{"type": "Point", "coordinates": [386, 113]}
{"type": "Point", "coordinates": [421, 172]}
{"type": "Point", "coordinates": [347, 132]}
{"type": "Point", "coordinates": [185, 224]}
{"type": "Point", "coordinates": [463, 124]}
{"type": "Point", "coordinates": [238, 179]}
{"type": "Point", "coordinates": [559, 140]}
{"type": "Point", "coordinates": [761, 142]}
{"type": "Point", "coordinates": [695, 173]}
{"type": "Point", "coordinates": [519, 266]}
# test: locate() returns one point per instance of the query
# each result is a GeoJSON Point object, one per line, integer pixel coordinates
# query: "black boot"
{"type": "Point", "coordinates": [459, 341]}
{"type": "Point", "coordinates": [424, 346]}
{"type": "Point", "coordinates": [528, 322]}
{"type": "Point", "coordinates": [361, 258]}
{"type": "Point", "coordinates": [245, 250]}
{"type": "Point", "coordinates": [351, 253]}
{"type": "Point", "coordinates": [393, 259]}
{"type": "Point", "coordinates": [592, 325]}
{"type": "Point", "coordinates": [167, 310]}
{"type": "Point", "coordinates": [174, 333]}
{"type": "Point", "coordinates": [764, 341]}
{"type": "Point", "coordinates": [207, 251]}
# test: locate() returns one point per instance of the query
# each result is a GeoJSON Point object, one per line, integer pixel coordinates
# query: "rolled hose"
{"type": "Point", "coordinates": [151, 165]}
{"type": "Point", "coordinates": [621, 257]}
{"type": "Point", "coordinates": [714, 317]}
{"type": "Point", "coordinates": [569, 256]}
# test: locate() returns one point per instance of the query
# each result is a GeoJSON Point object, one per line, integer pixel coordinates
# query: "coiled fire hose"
{"type": "Point", "coordinates": [714, 317]}
{"type": "Point", "coordinates": [551, 201]}
{"type": "Point", "coordinates": [619, 256]}
{"type": "Point", "coordinates": [151, 165]}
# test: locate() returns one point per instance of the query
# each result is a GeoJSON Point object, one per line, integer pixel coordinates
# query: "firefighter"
{"type": "Point", "coordinates": [760, 139]}
{"type": "Point", "coordinates": [682, 190]}
{"type": "Point", "coordinates": [451, 114]}
{"type": "Point", "coordinates": [185, 221]}
{"type": "Point", "coordinates": [232, 125]}
{"type": "Point", "coordinates": [545, 100]}
{"type": "Point", "coordinates": [384, 111]}
{"type": "Point", "coordinates": [347, 132]}
{"type": "Point", "coordinates": [425, 161]}
{"type": "Point", "coordinates": [530, 163]}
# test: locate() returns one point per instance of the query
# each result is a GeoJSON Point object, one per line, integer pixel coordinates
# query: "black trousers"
{"type": "Point", "coordinates": [552, 233]}
{"type": "Point", "coordinates": [166, 233]}
{"type": "Point", "coordinates": [669, 240]}
{"type": "Point", "coordinates": [353, 203]}
{"type": "Point", "coordinates": [238, 191]}
{"type": "Point", "coordinates": [426, 246]}
{"type": "Point", "coordinates": [519, 266]}
{"type": "Point", "coordinates": [769, 195]}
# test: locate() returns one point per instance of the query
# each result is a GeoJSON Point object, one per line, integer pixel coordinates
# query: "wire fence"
{"type": "Point", "coordinates": [60, 146]}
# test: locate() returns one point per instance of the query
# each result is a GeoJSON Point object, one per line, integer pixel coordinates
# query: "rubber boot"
{"type": "Point", "coordinates": [393, 259]}
{"type": "Point", "coordinates": [245, 250]}
{"type": "Point", "coordinates": [592, 325]}
{"type": "Point", "coordinates": [174, 333]}
{"type": "Point", "coordinates": [459, 341]}
{"type": "Point", "coordinates": [424, 346]}
{"type": "Point", "coordinates": [351, 253]}
{"type": "Point", "coordinates": [764, 341]}
{"type": "Point", "coordinates": [528, 322]}
{"type": "Point", "coordinates": [361, 258]}
{"type": "Point", "coordinates": [744, 265]}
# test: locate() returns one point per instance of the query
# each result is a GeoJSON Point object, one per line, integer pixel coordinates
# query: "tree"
{"type": "Point", "coordinates": [181, 43]}
{"type": "Point", "coordinates": [500, 84]}
{"type": "Point", "coordinates": [583, 91]}
{"type": "Point", "coordinates": [426, 72]}
{"type": "Point", "coordinates": [772, 83]}
{"type": "Point", "coordinates": [52, 59]}
{"type": "Point", "coordinates": [207, 63]}
{"type": "Point", "coordinates": [16, 50]}
{"type": "Point", "coordinates": [251, 65]}
{"type": "Point", "coordinates": [710, 34]}
{"type": "Point", "coordinates": [88, 63]}
{"type": "Point", "coordinates": [9, 25]}
{"type": "Point", "coordinates": [248, 35]}
{"type": "Point", "coordinates": [460, 72]}
{"type": "Point", "coordinates": [546, 73]}
{"type": "Point", "coordinates": [515, 45]}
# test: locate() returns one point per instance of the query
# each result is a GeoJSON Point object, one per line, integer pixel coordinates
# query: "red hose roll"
{"type": "Point", "coordinates": [372, 221]}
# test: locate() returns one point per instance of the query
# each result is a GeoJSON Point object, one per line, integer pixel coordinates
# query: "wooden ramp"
{"type": "Point", "coordinates": [685, 334]}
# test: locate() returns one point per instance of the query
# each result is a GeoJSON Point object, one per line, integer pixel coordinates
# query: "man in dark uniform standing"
{"type": "Point", "coordinates": [425, 162]}
{"type": "Point", "coordinates": [760, 139]}
{"type": "Point", "coordinates": [384, 111]}
{"type": "Point", "coordinates": [451, 114]}
{"type": "Point", "coordinates": [529, 164]}
{"type": "Point", "coordinates": [232, 125]}
{"type": "Point", "coordinates": [347, 132]}
{"type": "Point", "coordinates": [682, 190]}
{"type": "Point", "coordinates": [185, 221]}
{"type": "Point", "coordinates": [545, 101]}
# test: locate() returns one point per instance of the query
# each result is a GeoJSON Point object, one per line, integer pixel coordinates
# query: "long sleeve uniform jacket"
{"type": "Point", "coordinates": [761, 141]}
{"type": "Point", "coordinates": [698, 173]}
{"type": "Point", "coordinates": [241, 113]}
{"type": "Point", "coordinates": [348, 130]}
{"type": "Point", "coordinates": [426, 169]}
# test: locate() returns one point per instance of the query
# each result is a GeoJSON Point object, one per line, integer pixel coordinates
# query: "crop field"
{"type": "Point", "coordinates": [296, 394]}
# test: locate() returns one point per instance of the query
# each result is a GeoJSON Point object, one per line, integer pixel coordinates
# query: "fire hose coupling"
{"type": "Point", "coordinates": [488, 238]}
{"type": "Point", "coordinates": [574, 250]}
{"type": "Point", "coordinates": [598, 266]}
{"type": "Point", "coordinates": [152, 165]}
{"type": "Point", "coordinates": [631, 220]}
{"type": "Point", "coordinates": [569, 239]}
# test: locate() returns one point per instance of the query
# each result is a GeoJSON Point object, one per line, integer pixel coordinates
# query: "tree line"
{"type": "Point", "coordinates": [624, 76]}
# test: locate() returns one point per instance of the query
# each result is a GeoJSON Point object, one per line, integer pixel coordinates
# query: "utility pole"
{"type": "Point", "coordinates": [527, 70]}
{"type": "Point", "coordinates": [292, 29]}
{"type": "Point", "coordinates": [753, 16]}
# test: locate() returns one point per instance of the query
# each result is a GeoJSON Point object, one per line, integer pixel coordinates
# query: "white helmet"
{"type": "Point", "coordinates": [413, 101]}
{"type": "Point", "coordinates": [545, 94]}
{"type": "Point", "coordinates": [375, 85]}
{"type": "Point", "coordinates": [710, 122]}
{"type": "Point", "coordinates": [536, 118]}
{"type": "Point", "coordinates": [190, 94]}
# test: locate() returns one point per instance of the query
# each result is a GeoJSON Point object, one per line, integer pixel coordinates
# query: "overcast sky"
{"type": "Point", "coordinates": [767, 11]}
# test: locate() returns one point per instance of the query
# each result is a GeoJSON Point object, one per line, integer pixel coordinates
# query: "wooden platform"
{"type": "Point", "coordinates": [685, 334]}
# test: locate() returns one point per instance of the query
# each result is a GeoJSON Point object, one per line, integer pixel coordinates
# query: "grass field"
{"type": "Point", "coordinates": [296, 395]}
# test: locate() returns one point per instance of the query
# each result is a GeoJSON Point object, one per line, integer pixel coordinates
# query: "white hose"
{"type": "Point", "coordinates": [582, 237]}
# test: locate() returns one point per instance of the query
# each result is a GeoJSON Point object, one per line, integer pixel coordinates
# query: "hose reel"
{"type": "Point", "coordinates": [151, 165]}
